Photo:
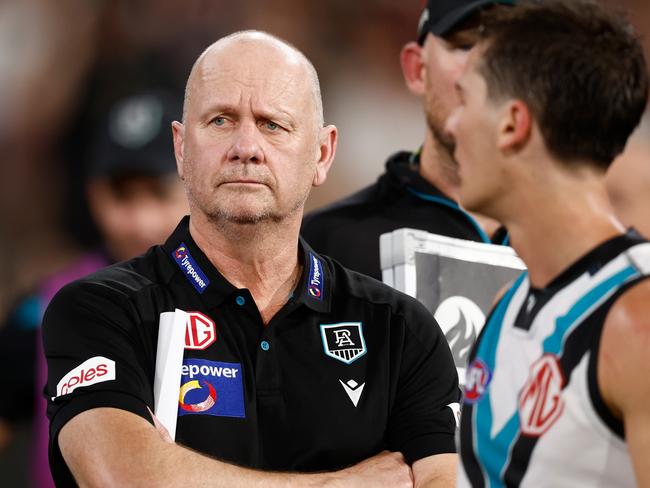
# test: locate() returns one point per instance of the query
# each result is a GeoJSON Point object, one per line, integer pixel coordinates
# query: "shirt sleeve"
{"type": "Point", "coordinates": [98, 355]}
{"type": "Point", "coordinates": [421, 422]}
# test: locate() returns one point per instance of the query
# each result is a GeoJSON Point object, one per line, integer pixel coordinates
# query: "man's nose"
{"type": "Point", "coordinates": [245, 146]}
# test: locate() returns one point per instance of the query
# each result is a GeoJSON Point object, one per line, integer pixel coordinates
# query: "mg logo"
{"type": "Point", "coordinates": [540, 403]}
{"type": "Point", "coordinates": [200, 331]}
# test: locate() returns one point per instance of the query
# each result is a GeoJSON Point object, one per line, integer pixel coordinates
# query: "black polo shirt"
{"type": "Point", "coordinates": [347, 368]}
{"type": "Point", "coordinates": [349, 230]}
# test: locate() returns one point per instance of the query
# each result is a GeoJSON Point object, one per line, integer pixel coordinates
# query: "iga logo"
{"type": "Point", "coordinates": [95, 370]}
{"type": "Point", "coordinates": [540, 403]}
{"type": "Point", "coordinates": [477, 380]}
{"type": "Point", "coordinates": [200, 331]}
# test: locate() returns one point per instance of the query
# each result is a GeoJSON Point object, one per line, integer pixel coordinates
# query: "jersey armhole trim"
{"type": "Point", "coordinates": [597, 401]}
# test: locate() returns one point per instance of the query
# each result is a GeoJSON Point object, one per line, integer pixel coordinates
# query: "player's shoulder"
{"type": "Point", "coordinates": [627, 319]}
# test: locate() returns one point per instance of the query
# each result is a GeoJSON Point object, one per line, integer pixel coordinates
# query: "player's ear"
{"type": "Point", "coordinates": [178, 132]}
{"type": "Point", "coordinates": [515, 125]}
{"type": "Point", "coordinates": [413, 67]}
{"type": "Point", "coordinates": [327, 150]}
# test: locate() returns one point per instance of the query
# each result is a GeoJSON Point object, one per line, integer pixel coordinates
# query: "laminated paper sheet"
{"type": "Point", "coordinates": [169, 359]}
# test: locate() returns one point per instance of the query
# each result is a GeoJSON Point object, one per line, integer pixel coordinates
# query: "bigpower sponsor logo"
{"type": "Point", "coordinates": [211, 388]}
{"type": "Point", "coordinates": [316, 281]}
{"type": "Point", "coordinates": [94, 370]}
{"type": "Point", "coordinates": [192, 271]}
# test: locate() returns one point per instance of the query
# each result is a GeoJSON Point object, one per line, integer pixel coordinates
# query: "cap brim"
{"type": "Point", "coordinates": [454, 17]}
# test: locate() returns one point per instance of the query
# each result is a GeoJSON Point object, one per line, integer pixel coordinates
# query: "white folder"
{"type": "Point", "coordinates": [169, 359]}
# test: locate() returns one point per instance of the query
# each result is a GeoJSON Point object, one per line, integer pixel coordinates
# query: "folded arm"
{"type": "Point", "coordinates": [108, 447]}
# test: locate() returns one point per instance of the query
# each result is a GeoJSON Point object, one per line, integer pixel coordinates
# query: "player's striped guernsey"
{"type": "Point", "coordinates": [532, 414]}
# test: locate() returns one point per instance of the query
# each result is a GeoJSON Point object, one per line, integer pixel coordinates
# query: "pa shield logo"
{"type": "Point", "coordinates": [211, 388]}
{"type": "Point", "coordinates": [477, 380]}
{"type": "Point", "coordinates": [343, 341]}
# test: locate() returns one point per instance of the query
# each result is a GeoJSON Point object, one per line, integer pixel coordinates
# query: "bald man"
{"type": "Point", "coordinates": [296, 371]}
{"type": "Point", "coordinates": [628, 180]}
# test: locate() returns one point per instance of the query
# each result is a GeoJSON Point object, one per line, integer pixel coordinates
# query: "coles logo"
{"type": "Point", "coordinates": [200, 331]}
{"type": "Point", "coordinates": [477, 380]}
{"type": "Point", "coordinates": [201, 405]}
{"type": "Point", "coordinates": [540, 402]}
{"type": "Point", "coordinates": [94, 370]}
{"type": "Point", "coordinates": [181, 252]}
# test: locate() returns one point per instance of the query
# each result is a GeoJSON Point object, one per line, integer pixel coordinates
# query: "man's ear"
{"type": "Point", "coordinates": [413, 67]}
{"type": "Point", "coordinates": [327, 151]}
{"type": "Point", "coordinates": [515, 125]}
{"type": "Point", "coordinates": [178, 131]}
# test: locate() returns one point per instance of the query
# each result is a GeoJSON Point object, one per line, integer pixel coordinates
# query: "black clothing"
{"type": "Point", "coordinates": [347, 368]}
{"type": "Point", "coordinates": [349, 230]}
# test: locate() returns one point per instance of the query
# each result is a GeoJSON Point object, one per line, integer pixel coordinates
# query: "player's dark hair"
{"type": "Point", "coordinates": [578, 67]}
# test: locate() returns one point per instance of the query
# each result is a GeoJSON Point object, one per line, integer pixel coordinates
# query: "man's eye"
{"type": "Point", "coordinates": [271, 125]}
{"type": "Point", "coordinates": [219, 121]}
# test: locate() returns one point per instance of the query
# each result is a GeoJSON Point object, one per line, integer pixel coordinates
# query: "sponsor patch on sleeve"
{"type": "Point", "coordinates": [211, 388]}
{"type": "Point", "coordinates": [94, 370]}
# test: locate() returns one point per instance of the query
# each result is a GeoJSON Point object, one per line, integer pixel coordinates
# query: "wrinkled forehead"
{"type": "Point", "coordinates": [254, 73]}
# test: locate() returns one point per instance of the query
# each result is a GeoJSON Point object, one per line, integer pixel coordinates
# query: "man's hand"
{"type": "Point", "coordinates": [387, 469]}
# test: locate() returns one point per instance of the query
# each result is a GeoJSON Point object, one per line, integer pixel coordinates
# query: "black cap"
{"type": "Point", "coordinates": [134, 137]}
{"type": "Point", "coordinates": [440, 16]}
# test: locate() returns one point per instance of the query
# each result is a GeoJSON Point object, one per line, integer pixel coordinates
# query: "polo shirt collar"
{"type": "Point", "coordinates": [315, 286]}
{"type": "Point", "coordinates": [313, 290]}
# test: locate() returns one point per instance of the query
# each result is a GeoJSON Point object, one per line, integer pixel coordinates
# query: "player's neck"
{"type": "Point", "coordinates": [261, 258]}
{"type": "Point", "coordinates": [551, 233]}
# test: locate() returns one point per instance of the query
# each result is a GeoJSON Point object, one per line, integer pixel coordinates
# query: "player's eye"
{"type": "Point", "coordinates": [271, 125]}
{"type": "Point", "coordinates": [219, 121]}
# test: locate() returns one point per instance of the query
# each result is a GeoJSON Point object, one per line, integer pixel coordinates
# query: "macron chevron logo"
{"type": "Point", "coordinates": [353, 389]}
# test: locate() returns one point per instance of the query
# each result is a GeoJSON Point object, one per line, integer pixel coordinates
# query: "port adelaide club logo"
{"type": "Point", "coordinates": [343, 341]}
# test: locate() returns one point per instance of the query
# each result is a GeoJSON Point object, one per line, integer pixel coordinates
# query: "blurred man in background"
{"type": "Point", "coordinates": [418, 190]}
{"type": "Point", "coordinates": [135, 199]}
{"type": "Point", "coordinates": [628, 180]}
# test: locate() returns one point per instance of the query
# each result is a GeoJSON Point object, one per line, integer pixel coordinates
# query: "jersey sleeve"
{"type": "Point", "coordinates": [97, 356]}
{"type": "Point", "coordinates": [421, 422]}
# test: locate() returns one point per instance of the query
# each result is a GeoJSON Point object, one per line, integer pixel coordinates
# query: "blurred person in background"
{"type": "Point", "coordinates": [418, 190]}
{"type": "Point", "coordinates": [628, 180]}
{"type": "Point", "coordinates": [135, 199]}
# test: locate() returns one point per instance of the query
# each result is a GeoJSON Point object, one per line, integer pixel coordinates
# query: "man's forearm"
{"type": "Point", "coordinates": [107, 447]}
